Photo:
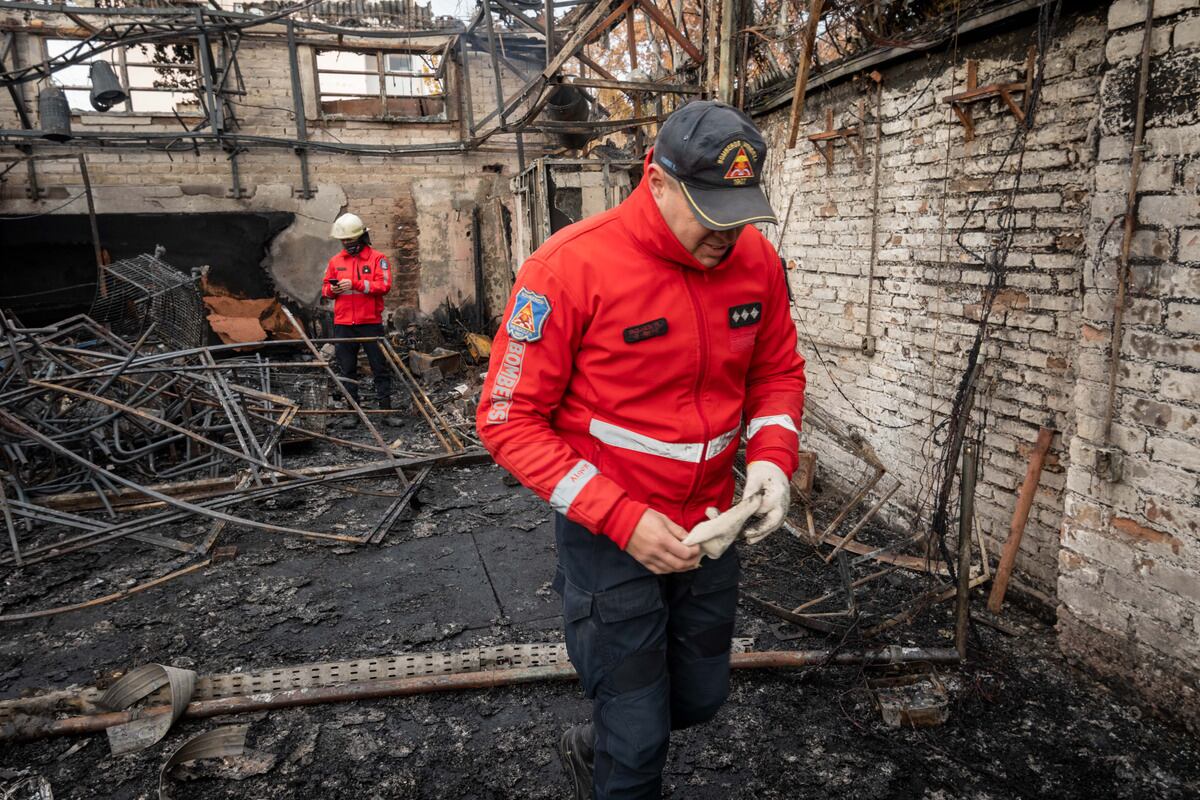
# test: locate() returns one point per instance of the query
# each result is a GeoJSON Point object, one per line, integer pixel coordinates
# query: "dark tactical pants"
{"type": "Point", "coordinates": [346, 356]}
{"type": "Point", "coordinates": [652, 651]}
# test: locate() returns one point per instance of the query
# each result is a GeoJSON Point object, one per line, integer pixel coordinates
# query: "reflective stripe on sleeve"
{"type": "Point", "coordinates": [366, 287]}
{"type": "Point", "coordinates": [758, 423]}
{"type": "Point", "coordinates": [689, 452]}
{"type": "Point", "coordinates": [571, 485]}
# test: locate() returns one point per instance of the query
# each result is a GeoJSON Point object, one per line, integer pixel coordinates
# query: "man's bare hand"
{"type": "Point", "coordinates": [657, 543]}
{"type": "Point", "coordinates": [343, 286]}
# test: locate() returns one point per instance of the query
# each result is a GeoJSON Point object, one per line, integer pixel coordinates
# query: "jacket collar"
{"type": "Point", "coordinates": [366, 253]}
{"type": "Point", "coordinates": [641, 217]}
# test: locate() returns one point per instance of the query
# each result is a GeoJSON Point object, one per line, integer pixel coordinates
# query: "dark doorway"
{"type": "Point", "coordinates": [49, 270]}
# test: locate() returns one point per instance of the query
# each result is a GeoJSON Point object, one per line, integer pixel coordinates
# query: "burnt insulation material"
{"type": "Point", "coordinates": [49, 270]}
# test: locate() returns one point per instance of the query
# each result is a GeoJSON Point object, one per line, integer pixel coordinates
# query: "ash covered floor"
{"type": "Point", "coordinates": [471, 566]}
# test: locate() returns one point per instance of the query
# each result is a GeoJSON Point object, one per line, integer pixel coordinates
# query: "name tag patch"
{"type": "Point", "coordinates": [745, 314]}
{"type": "Point", "coordinates": [647, 330]}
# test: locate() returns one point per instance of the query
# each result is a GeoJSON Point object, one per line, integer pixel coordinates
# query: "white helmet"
{"type": "Point", "coordinates": [347, 226]}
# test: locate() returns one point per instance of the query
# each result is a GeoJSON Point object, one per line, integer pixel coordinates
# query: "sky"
{"type": "Point", "coordinates": [453, 8]}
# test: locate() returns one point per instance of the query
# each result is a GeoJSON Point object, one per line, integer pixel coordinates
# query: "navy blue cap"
{"type": "Point", "coordinates": [717, 155]}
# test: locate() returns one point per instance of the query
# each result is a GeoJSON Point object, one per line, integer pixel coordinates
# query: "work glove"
{"type": "Point", "coordinates": [765, 480]}
{"type": "Point", "coordinates": [721, 530]}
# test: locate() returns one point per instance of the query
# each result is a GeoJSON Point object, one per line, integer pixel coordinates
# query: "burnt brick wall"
{"type": "Point", "coordinates": [1129, 577]}
{"type": "Point", "coordinates": [935, 189]}
{"type": "Point", "coordinates": [417, 207]}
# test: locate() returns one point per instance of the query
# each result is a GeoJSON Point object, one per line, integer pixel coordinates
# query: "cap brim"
{"type": "Point", "coordinates": [728, 207]}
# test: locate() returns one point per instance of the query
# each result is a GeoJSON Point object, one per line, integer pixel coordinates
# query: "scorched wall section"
{"type": "Point", "coordinates": [419, 208]}
{"type": "Point", "coordinates": [1129, 581]}
{"type": "Point", "coordinates": [939, 200]}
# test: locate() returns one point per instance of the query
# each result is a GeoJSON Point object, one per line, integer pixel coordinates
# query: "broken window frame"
{"type": "Point", "coordinates": [382, 74]}
{"type": "Point", "coordinates": [121, 66]}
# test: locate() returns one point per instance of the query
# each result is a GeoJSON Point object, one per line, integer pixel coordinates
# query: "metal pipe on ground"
{"type": "Point", "coordinates": [26, 728]}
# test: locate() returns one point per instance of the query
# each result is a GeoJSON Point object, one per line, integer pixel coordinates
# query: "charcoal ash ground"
{"type": "Point", "coordinates": [470, 566]}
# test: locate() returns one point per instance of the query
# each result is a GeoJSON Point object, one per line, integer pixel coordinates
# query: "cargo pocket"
{"type": "Point", "coordinates": [582, 634]}
{"type": "Point", "coordinates": [634, 620]}
{"type": "Point", "coordinates": [708, 617]}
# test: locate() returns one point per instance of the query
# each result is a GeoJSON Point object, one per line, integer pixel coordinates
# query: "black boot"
{"type": "Point", "coordinates": [349, 420]}
{"type": "Point", "coordinates": [389, 419]}
{"type": "Point", "coordinates": [576, 748]}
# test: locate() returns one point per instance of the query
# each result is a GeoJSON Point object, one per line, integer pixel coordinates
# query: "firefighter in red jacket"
{"type": "Point", "coordinates": [639, 347]}
{"type": "Point", "coordinates": [357, 279]}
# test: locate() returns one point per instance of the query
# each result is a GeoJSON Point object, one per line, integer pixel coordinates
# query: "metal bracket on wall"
{"type": "Point", "coordinates": [961, 103]}
{"type": "Point", "coordinates": [824, 140]}
{"type": "Point", "coordinates": [306, 190]}
{"type": "Point", "coordinates": [235, 190]}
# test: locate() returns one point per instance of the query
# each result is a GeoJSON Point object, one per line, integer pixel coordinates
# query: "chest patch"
{"type": "Point", "coordinates": [366, 270]}
{"type": "Point", "coordinates": [647, 330]}
{"type": "Point", "coordinates": [745, 314]}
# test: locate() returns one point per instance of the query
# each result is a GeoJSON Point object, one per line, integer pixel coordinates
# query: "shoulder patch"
{"type": "Point", "coordinates": [529, 314]}
{"type": "Point", "coordinates": [383, 264]}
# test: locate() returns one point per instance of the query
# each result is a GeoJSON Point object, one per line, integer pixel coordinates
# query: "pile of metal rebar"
{"type": "Point", "coordinates": [105, 439]}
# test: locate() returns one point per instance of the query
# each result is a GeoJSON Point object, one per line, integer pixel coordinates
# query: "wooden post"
{"type": "Point", "coordinates": [1033, 474]}
{"type": "Point", "coordinates": [639, 133]}
{"type": "Point", "coordinates": [725, 70]}
{"type": "Point", "coordinates": [810, 37]}
{"type": "Point", "coordinates": [711, 59]}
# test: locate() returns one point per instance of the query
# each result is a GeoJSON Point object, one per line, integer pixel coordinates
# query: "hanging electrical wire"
{"type": "Point", "coordinates": [995, 262]}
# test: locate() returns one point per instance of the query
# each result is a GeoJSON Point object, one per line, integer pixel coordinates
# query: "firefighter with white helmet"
{"type": "Point", "coordinates": [357, 279]}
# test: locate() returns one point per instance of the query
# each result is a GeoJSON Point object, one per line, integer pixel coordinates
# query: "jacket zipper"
{"type": "Point", "coordinates": [701, 374]}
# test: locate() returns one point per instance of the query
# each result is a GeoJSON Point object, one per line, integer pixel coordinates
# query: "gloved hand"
{"type": "Point", "coordinates": [768, 481]}
{"type": "Point", "coordinates": [720, 531]}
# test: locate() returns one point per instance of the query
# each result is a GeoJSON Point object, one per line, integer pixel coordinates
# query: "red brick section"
{"type": "Point", "coordinates": [406, 254]}
{"type": "Point", "coordinates": [1141, 532]}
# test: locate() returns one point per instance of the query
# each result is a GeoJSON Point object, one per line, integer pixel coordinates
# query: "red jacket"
{"type": "Point", "coordinates": [370, 276]}
{"type": "Point", "coordinates": [626, 370]}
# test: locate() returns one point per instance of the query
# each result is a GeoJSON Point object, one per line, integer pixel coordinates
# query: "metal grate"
{"type": "Point", "coordinates": [133, 293]}
{"type": "Point", "coordinates": [335, 673]}
{"type": "Point", "coordinates": [307, 388]}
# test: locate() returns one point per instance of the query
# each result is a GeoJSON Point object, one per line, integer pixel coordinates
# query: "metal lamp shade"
{"type": "Point", "coordinates": [54, 114]}
{"type": "Point", "coordinates": [106, 89]}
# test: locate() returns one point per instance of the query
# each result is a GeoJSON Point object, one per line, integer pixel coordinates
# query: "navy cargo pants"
{"type": "Point", "coordinates": [345, 355]}
{"type": "Point", "coordinates": [652, 651]}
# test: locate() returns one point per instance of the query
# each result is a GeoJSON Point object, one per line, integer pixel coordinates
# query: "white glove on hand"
{"type": "Point", "coordinates": [721, 530]}
{"type": "Point", "coordinates": [765, 479]}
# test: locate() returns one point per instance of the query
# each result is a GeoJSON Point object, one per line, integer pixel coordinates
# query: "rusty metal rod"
{"type": "Point", "coordinates": [966, 515]}
{"type": "Point", "coordinates": [1033, 475]}
{"type": "Point", "coordinates": [28, 728]}
{"type": "Point", "coordinates": [1131, 203]}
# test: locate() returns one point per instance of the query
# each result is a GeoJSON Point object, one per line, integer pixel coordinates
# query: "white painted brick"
{"type": "Point", "coordinates": [1128, 44]}
{"type": "Point", "coordinates": [1124, 13]}
{"type": "Point", "coordinates": [1189, 244]}
{"type": "Point", "coordinates": [1179, 385]}
{"type": "Point", "coordinates": [1176, 452]}
{"type": "Point", "coordinates": [1187, 34]}
{"type": "Point", "coordinates": [1169, 210]}
{"type": "Point", "coordinates": [1183, 318]}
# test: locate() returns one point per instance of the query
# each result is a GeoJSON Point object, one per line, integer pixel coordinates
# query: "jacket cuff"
{"type": "Point", "coordinates": [781, 457]}
{"type": "Point", "coordinates": [356, 284]}
{"type": "Point", "coordinates": [620, 523]}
